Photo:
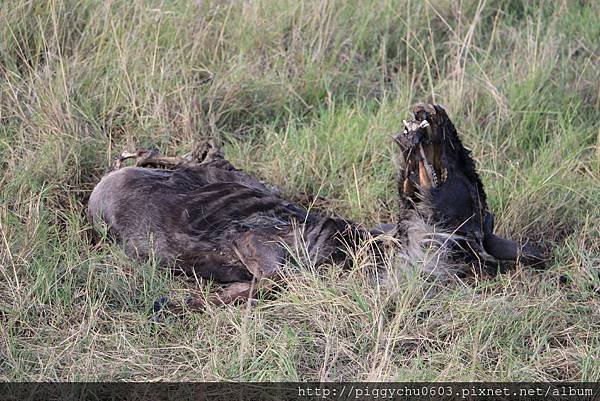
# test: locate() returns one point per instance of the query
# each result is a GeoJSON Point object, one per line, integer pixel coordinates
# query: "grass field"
{"type": "Point", "coordinates": [305, 94]}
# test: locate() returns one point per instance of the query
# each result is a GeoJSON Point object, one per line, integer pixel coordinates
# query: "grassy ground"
{"type": "Point", "coordinates": [306, 95]}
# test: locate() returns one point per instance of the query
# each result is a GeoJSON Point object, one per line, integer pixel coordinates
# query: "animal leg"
{"type": "Point", "coordinates": [260, 251]}
{"type": "Point", "coordinates": [262, 255]}
{"type": "Point", "coordinates": [217, 265]}
{"type": "Point", "coordinates": [205, 153]}
{"type": "Point", "coordinates": [233, 293]}
{"type": "Point", "coordinates": [150, 158]}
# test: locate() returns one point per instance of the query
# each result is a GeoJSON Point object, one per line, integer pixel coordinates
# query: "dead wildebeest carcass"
{"type": "Point", "coordinates": [210, 220]}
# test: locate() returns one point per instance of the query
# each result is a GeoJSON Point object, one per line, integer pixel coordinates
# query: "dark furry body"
{"type": "Point", "coordinates": [213, 220]}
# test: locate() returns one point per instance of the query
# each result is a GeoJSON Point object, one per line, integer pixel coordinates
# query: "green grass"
{"type": "Point", "coordinates": [305, 95]}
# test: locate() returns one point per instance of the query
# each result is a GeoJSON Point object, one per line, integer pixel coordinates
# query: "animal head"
{"type": "Point", "coordinates": [438, 183]}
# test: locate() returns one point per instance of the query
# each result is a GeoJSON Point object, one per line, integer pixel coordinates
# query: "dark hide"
{"type": "Point", "coordinates": [217, 223]}
{"type": "Point", "coordinates": [209, 219]}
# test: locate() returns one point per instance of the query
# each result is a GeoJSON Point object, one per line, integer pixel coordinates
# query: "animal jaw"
{"type": "Point", "coordinates": [438, 183]}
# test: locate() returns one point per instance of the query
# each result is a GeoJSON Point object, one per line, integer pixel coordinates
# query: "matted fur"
{"type": "Point", "coordinates": [209, 219]}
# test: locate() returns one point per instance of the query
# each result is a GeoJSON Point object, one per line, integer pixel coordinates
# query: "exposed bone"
{"type": "Point", "coordinates": [424, 179]}
{"type": "Point", "coordinates": [153, 159]}
{"type": "Point", "coordinates": [124, 156]}
{"type": "Point", "coordinates": [430, 171]}
{"type": "Point", "coordinates": [146, 157]}
{"type": "Point", "coordinates": [407, 187]}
